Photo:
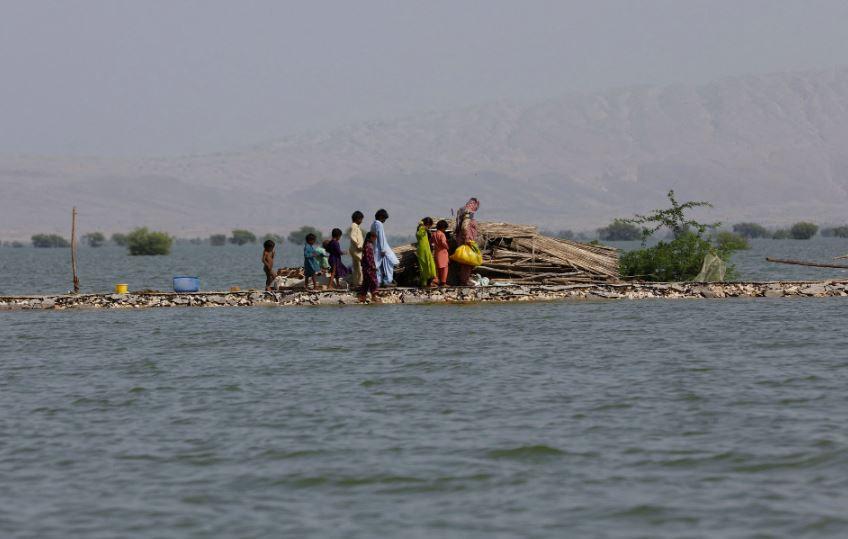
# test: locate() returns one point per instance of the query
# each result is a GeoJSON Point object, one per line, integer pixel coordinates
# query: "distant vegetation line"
{"type": "Point", "coordinates": [617, 230]}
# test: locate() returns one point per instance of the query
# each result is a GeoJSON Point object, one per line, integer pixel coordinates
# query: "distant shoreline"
{"type": "Point", "coordinates": [454, 295]}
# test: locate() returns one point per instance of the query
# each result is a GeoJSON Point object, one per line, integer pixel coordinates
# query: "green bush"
{"type": "Point", "coordinates": [119, 239]}
{"type": "Point", "coordinates": [298, 237]}
{"type": "Point", "coordinates": [731, 242]}
{"type": "Point", "coordinates": [679, 259]}
{"type": "Point", "coordinates": [241, 237]}
{"type": "Point", "coordinates": [620, 230]}
{"type": "Point", "coordinates": [803, 230]}
{"type": "Point", "coordinates": [49, 241]}
{"type": "Point", "coordinates": [94, 239]}
{"type": "Point", "coordinates": [218, 240]}
{"type": "Point", "coordinates": [144, 242]}
{"type": "Point", "coordinates": [751, 230]}
{"type": "Point", "coordinates": [835, 232]}
{"type": "Point", "coordinates": [781, 234]}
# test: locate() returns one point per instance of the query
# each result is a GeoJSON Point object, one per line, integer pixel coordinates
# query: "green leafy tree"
{"type": "Point", "coordinates": [241, 237]}
{"type": "Point", "coordinates": [94, 239]}
{"type": "Point", "coordinates": [144, 242]}
{"type": "Point", "coordinates": [751, 230]}
{"type": "Point", "coordinates": [781, 234]}
{"type": "Point", "coordinates": [620, 230]}
{"type": "Point", "coordinates": [298, 237]}
{"type": "Point", "coordinates": [46, 241]}
{"type": "Point", "coordinates": [803, 230]}
{"type": "Point", "coordinates": [679, 259]}
{"type": "Point", "coordinates": [119, 239]}
{"type": "Point", "coordinates": [218, 240]}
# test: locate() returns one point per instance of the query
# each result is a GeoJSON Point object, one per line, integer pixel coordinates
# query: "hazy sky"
{"type": "Point", "coordinates": [169, 76]}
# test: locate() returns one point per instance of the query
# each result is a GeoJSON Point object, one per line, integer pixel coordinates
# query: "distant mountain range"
{"type": "Point", "coordinates": [771, 148]}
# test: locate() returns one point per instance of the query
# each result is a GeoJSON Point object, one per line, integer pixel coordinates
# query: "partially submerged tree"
{"type": "Point", "coordinates": [276, 238]}
{"type": "Point", "coordinates": [94, 239]}
{"type": "Point", "coordinates": [218, 240]}
{"type": "Point", "coordinates": [119, 239]}
{"type": "Point", "coordinates": [298, 237]}
{"type": "Point", "coordinates": [681, 258]}
{"type": "Point", "coordinates": [731, 241]}
{"type": "Point", "coordinates": [751, 230]}
{"type": "Point", "coordinates": [144, 242]}
{"type": "Point", "coordinates": [46, 241]}
{"type": "Point", "coordinates": [835, 232]}
{"type": "Point", "coordinates": [241, 237]}
{"type": "Point", "coordinates": [803, 230]}
{"type": "Point", "coordinates": [620, 230]}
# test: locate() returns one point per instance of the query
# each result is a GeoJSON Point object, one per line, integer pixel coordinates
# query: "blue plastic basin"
{"type": "Point", "coordinates": [184, 283]}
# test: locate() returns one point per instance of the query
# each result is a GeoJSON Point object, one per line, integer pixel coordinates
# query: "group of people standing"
{"type": "Point", "coordinates": [374, 261]}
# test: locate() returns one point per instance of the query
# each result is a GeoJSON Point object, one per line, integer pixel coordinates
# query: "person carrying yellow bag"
{"type": "Point", "coordinates": [468, 254]}
{"type": "Point", "coordinates": [466, 236]}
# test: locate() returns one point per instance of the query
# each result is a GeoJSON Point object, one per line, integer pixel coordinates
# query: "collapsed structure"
{"type": "Point", "coordinates": [520, 254]}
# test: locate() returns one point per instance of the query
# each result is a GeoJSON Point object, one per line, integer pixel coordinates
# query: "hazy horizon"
{"type": "Point", "coordinates": [107, 79]}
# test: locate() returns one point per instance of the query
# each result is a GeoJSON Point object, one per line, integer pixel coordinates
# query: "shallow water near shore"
{"type": "Point", "coordinates": [710, 418]}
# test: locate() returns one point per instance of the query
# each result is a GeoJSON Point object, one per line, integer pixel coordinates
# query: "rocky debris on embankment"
{"type": "Point", "coordinates": [294, 297]}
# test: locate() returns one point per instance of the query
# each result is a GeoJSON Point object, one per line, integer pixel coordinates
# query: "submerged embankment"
{"type": "Point", "coordinates": [301, 297]}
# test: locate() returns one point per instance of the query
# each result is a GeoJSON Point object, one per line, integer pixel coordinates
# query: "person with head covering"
{"type": "Point", "coordinates": [370, 283]}
{"type": "Point", "coordinates": [426, 264]}
{"type": "Point", "coordinates": [466, 233]}
{"type": "Point", "coordinates": [384, 257]}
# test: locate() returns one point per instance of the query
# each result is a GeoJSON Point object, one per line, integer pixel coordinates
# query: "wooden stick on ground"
{"type": "Point", "coordinates": [805, 263]}
{"type": "Point", "coordinates": [74, 249]}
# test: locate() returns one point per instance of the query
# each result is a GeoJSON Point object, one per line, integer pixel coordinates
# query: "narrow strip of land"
{"type": "Point", "coordinates": [484, 294]}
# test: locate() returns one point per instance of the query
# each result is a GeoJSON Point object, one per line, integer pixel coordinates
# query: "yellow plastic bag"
{"type": "Point", "coordinates": [469, 255]}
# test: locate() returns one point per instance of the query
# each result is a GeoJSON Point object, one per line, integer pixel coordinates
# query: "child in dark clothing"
{"type": "Point", "coordinates": [268, 262]}
{"type": "Point", "coordinates": [337, 269]}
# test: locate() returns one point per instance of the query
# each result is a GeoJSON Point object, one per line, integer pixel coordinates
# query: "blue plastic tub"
{"type": "Point", "coordinates": [184, 283]}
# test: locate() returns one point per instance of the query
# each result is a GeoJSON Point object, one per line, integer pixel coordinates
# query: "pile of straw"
{"type": "Point", "coordinates": [519, 254]}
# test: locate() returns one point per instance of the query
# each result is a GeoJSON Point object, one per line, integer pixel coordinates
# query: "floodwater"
{"type": "Point", "coordinates": [655, 418]}
{"type": "Point", "coordinates": [39, 271]}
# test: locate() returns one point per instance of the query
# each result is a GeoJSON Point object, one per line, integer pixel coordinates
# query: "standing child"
{"type": "Point", "coordinates": [311, 263]}
{"type": "Point", "coordinates": [337, 269]}
{"type": "Point", "coordinates": [440, 252]}
{"type": "Point", "coordinates": [357, 242]}
{"type": "Point", "coordinates": [426, 266]}
{"type": "Point", "coordinates": [268, 263]}
{"type": "Point", "coordinates": [324, 256]}
{"type": "Point", "coordinates": [370, 281]}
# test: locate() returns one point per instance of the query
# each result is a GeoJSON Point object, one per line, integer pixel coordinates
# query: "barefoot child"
{"type": "Point", "coordinates": [370, 282]}
{"type": "Point", "coordinates": [311, 261]}
{"type": "Point", "coordinates": [440, 252]}
{"type": "Point", "coordinates": [337, 269]}
{"type": "Point", "coordinates": [268, 263]}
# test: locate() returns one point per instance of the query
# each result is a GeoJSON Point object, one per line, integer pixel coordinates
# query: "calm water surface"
{"type": "Point", "coordinates": [33, 271]}
{"type": "Point", "coordinates": [713, 418]}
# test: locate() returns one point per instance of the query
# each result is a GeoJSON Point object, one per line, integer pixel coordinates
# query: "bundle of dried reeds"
{"type": "Point", "coordinates": [518, 253]}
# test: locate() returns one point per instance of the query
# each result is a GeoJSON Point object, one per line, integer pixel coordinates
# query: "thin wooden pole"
{"type": "Point", "coordinates": [74, 249]}
{"type": "Point", "coordinates": [805, 263]}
